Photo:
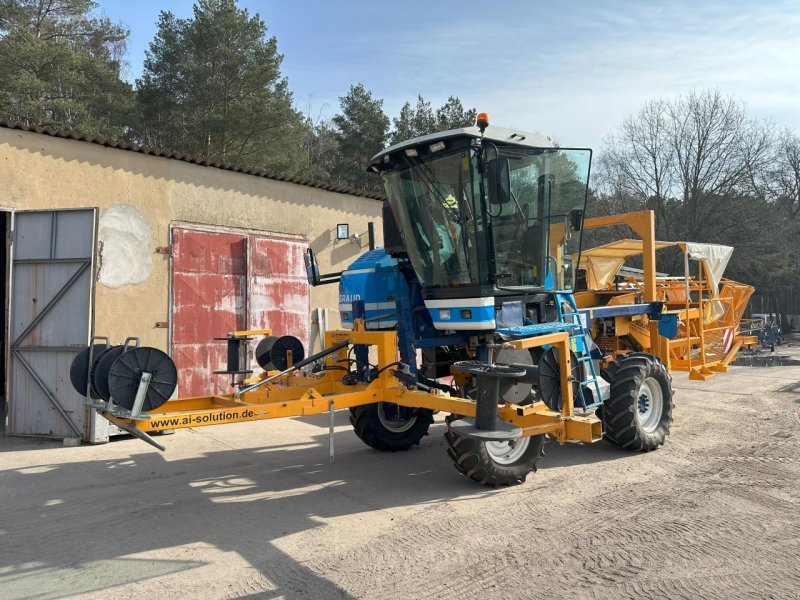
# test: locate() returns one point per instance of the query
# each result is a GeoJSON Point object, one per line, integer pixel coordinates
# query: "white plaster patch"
{"type": "Point", "coordinates": [126, 243]}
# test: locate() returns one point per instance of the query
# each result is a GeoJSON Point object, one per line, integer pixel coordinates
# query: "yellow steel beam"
{"type": "Point", "coordinates": [300, 396]}
{"type": "Point", "coordinates": [248, 332]}
{"type": "Point", "coordinates": [558, 337]}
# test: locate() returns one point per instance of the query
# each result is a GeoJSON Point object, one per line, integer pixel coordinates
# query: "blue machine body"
{"type": "Point", "coordinates": [386, 293]}
{"type": "Point", "coordinates": [375, 279]}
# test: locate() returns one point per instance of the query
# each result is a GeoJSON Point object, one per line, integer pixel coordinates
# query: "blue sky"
{"type": "Point", "coordinates": [571, 70]}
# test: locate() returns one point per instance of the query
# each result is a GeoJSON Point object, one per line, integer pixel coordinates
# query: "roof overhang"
{"type": "Point", "coordinates": [498, 135]}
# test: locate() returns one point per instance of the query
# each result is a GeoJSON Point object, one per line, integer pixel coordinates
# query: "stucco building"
{"type": "Point", "coordinates": [117, 240]}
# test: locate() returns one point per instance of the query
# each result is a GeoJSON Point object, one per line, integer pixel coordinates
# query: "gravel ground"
{"type": "Point", "coordinates": [257, 511]}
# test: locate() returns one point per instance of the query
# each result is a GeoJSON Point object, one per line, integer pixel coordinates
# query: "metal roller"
{"type": "Point", "coordinates": [515, 390]}
{"type": "Point", "coordinates": [125, 377]}
{"type": "Point", "coordinates": [263, 357]}
{"type": "Point", "coordinates": [79, 369]}
{"type": "Point", "coordinates": [271, 352]}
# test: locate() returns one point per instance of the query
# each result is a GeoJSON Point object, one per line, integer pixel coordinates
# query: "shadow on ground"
{"type": "Point", "coordinates": [67, 528]}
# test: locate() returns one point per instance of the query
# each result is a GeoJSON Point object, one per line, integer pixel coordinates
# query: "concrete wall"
{"type": "Point", "coordinates": [140, 196]}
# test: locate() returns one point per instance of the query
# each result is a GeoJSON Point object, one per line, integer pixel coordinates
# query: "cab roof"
{"type": "Point", "coordinates": [492, 133]}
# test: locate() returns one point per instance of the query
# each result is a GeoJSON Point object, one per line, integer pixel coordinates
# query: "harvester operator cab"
{"type": "Point", "coordinates": [486, 215]}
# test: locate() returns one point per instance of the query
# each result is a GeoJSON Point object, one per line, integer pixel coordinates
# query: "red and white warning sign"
{"type": "Point", "coordinates": [727, 340]}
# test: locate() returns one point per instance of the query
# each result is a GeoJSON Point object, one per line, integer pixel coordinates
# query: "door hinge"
{"type": "Point", "coordinates": [164, 250]}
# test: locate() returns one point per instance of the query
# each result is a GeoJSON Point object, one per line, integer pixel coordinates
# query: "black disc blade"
{"type": "Point", "coordinates": [126, 372]}
{"type": "Point", "coordinates": [79, 369]}
{"type": "Point", "coordinates": [264, 352]}
{"type": "Point", "coordinates": [100, 371]}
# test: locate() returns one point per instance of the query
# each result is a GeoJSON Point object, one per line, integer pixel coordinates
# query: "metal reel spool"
{"type": "Point", "coordinates": [550, 378]}
{"type": "Point", "coordinates": [514, 391]}
{"type": "Point", "coordinates": [271, 352]}
{"type": "Point", "coordinates": [79, 369]}
{"type": "Point", "coordinates": [100, 369]}
{"type": "Point", "coordinates": [126, 372]}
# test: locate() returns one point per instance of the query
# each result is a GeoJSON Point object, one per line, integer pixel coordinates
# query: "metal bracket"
{"type": "Point", "coordinates": [89, 401]}
{"type": "Point", "coordinates": [136, 432]}
{"type": "Point", "coordinates": [135, 414]}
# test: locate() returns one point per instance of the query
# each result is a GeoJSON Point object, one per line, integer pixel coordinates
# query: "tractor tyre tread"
{"type": "Point", "coordinates": [369, 429]}
{"type": "Point", "coordinates": [619, 413]}
{"type": "Point", "coordinates": [471, 459]}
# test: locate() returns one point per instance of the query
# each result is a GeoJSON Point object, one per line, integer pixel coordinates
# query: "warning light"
{"type": "Point", "coordinates": [482, 121]}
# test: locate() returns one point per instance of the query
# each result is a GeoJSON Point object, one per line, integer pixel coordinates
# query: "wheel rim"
{"type": "Point", "coordinates": [391, 417]}
{"type": "Point", "coordinates": [506, 453]}
{"type": "Point", "coordinates": [650, 402]}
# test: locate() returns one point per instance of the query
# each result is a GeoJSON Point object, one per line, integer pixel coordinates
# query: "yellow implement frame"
{"type": "Point", "coordinates": [295, 395]}
{"type": "Point", "coordinates": [703, 346]}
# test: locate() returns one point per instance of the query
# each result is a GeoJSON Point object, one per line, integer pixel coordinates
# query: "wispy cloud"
{"type": "Point", "coordinates": [573, 70]}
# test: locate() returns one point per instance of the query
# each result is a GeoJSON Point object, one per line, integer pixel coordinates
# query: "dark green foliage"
{"type": "Point", "coordinates": [212, 86]}
{"type": "Point", "coordinates": [422, 120]}
{"type": "Point", "coordinates": [60, 65]}
{"type": "Point", "coordinates": [452, 115]}
{"type": "Point", "coordinates": [361, 131]}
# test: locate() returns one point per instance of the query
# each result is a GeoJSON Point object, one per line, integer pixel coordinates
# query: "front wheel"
{"type": "Point", "coordinates": [390, 427]}
{"type": "Point", "coordinates": [495, 463]}
{"type": "Point", "coordinates": [638, 412]}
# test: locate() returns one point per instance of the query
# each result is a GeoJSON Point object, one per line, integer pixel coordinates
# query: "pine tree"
{"type": "Point", "coordinates": [422, 119]}
{"type": "Point", "coordinates": [361, 132]}
{"type": "Point", "coordinates": [60, 64]}
{"type": "Point", "coordinates": [212, 85]}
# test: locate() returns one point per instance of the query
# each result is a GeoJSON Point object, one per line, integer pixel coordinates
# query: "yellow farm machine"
{"type": "Point", "coordinates": [482, 306]}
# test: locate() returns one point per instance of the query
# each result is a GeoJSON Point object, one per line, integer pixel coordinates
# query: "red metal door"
{"type": "Point", "coordinates": [209, 273]}
{"type": "Point", "coordinates": [277, 288]}
{"type": "Point", "coordinates": [223, 282]}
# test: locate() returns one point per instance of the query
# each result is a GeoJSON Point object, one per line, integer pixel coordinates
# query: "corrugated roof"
{"type": "Point", "coordinates": [195, 159]}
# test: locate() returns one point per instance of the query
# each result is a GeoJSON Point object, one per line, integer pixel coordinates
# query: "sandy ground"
{"type": "Point", "coordinates": [257, 511]}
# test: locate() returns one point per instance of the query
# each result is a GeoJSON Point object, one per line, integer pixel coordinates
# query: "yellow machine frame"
{"type": "Point", "coordinates": [301, 395]}
{"type": "Point", "coordinates": [296, 394]}
{"type": "Point", "coordinates": [697, 349]}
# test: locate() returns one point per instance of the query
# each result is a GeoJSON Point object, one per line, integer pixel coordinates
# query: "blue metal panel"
{"type": "Point", "coordinates": [375, 279]}
{"type": "Point", "coordinates": [651, 309]}
{"type": "Point", "coordinates": [535, 329]}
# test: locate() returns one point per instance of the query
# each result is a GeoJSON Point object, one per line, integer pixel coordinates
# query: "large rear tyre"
{"type": "Point", "coordinates": [495, 463]}
{"type": "Point", "coordinates": [638, 413]}
{"type": "Point", "coordinates": [390, 427]}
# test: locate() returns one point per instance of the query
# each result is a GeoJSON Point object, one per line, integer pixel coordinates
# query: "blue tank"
{"type": "Point", "coordinates": [375, 279]}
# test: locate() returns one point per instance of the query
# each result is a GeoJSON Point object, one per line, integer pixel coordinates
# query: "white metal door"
{"type": "Point", "coordinates": [51, 315]}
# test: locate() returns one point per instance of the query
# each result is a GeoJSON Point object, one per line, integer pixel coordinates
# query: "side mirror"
{"type": "Point", "coordinates": [576, 219]}
{"type": "Point", "coordinates": [498, 175]}
{"type": "Point", "coordinates": [312, 269]}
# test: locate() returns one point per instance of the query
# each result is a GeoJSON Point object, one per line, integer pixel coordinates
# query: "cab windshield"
{"type": "Point", "coordinates": [455, 237]}
{"type": "Point", "coordinates": [435, 206]}
{"type": "Point", "coordinates": [537, 229]}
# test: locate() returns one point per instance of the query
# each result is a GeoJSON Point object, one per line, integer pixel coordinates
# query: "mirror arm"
{"type": "Point", "coordinates": [329, 278]}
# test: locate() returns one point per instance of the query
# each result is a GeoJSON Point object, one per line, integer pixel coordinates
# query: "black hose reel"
{"type": "Point", "coordinates": [275, 353]}
{"type": "Point", "coordinates": [132, 378]}
{"type": "Point", "coordinates": [486, 426]}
